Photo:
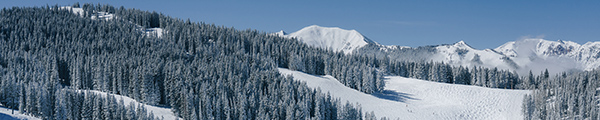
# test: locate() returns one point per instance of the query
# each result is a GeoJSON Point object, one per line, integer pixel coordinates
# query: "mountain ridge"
{"type": "Point", "coordinates": [333, 38]}
{"type": "Point", "coordinates": [521, 55]}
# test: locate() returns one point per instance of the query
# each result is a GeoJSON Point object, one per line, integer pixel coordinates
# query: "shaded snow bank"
{"type": "Point", "coordinates": [414, 99]}
{"type": "Point", "coordinates": [6, 114]}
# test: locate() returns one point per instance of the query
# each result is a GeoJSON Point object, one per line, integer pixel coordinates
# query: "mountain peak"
{"type": "Point", "coordinates": [462, 44]}
{"type": "Point", "coordinates": [280, 33]}
{"type": "Point", "coordinates": [333, 38]}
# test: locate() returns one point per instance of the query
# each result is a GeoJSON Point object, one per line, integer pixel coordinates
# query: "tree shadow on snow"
{"type": "Point", "coordinates": [394, 96]}
{"type": "Point", "coordinates": [7, 117]}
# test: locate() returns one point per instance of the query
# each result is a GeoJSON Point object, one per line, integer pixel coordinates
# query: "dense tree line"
{"type": "Point", "coordinates": [574, 96]}
{"type": "Point", "coordinates": [440, 72]}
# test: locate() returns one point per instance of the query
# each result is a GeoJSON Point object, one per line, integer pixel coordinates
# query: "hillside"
{"type": "Point", "coordinates": [415, 99]}
{"type": "Point", "coordinates": [194, 70]}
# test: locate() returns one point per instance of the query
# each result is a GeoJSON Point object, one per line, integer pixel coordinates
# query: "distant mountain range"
{"type": "Point", "coordinates": [522, 56]}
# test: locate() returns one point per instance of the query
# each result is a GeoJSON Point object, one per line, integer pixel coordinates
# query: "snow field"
{"type": "Point", "coordinates": [407, 98]}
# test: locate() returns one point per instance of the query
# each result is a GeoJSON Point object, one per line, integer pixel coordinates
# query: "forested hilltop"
{"type": "Point", "coordinates": [201, 71]}
{"type": "Point", "coordinates": [50, 57]}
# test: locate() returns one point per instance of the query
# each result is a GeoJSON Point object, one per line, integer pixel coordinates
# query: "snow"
{"type": "Point", "coordinates": [462, 54]}
{"type": "Point", "coordinates": [6, 114]}
{"type": "Point", "coordinates": [556, 56]}
{"type": "Point", "coordinates": [97, 15]}
{"type": "Point", "coordinates": [332, 38]}
{"type": "Point", "coordinates": [157, 111]}
{"type": "Point", "coordinates": [280, 33]}
{"type": "Point", "coordinates": [520, 56]}
{"type": "Point", "coordinates": [158, 32]}
{"type": "Point", "coordinates": [77, 11]}
{"type": "Point", "coordinates": [414, 99]}
{"type": "Point", "coordinates": [103, 16]}
{"type": "Point", "coordinates": [525, 55]}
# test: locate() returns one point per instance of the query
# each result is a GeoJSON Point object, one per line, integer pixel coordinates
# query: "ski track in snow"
{"type": "Point", "coordinates": [413, 99]}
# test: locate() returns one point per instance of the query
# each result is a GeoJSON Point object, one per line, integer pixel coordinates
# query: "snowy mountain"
{"type": "Point", "coordinates": [348, 41]}
{"type": "Point", "coordinates": [414, 99]}
{"type": "Point", "coordinates": [332, 38]}
{"type": "Point", "coordinates": [461, 53]}
{"type": "Point", "coordinates": [554, 54]}
{"type": "Point", "coordinates": [524, 55]}
{"type": "Point", "coordinates": [280, 33]}
{"type": "Point", "coordinates": [521, 56]}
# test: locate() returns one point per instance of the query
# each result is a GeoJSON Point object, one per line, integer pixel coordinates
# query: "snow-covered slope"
{"type": "Point", "coordinates": [413, 99]}
{"type": "Point", "coordinates": [7, 114]}
{"type": "Point", "coordinates": [332, 38]}
{"type": "Point", "coordinates": [157, 111]}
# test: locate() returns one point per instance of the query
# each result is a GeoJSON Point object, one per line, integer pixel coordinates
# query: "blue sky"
{"type": "Point", "coordinates": [482, 24]}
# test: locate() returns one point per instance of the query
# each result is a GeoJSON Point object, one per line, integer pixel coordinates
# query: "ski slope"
{"type": "Point", "coordinates": [6, 114]}
{"type": "Point", "coordinates": [414, 99]}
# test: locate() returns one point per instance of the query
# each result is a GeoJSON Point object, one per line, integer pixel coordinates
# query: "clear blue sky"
{"type": "Point", "coordinates": [480, 23]}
